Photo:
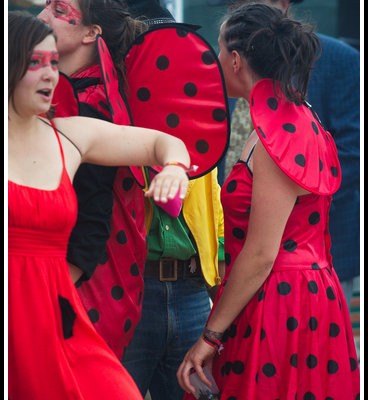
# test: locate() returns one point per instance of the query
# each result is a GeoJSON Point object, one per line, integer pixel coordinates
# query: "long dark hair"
{"type": "Point", "coordinates": [25, 32]}
{"type": "Point", "coordinates": [274, 45]}
{"type": "Point", "coordinates": [119, 29]}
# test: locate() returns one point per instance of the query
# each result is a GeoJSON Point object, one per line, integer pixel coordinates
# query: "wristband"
{"type": "Point", "coordinates": [212, 334]}
{"type": "Point", "coordinates": [181, 165]}
{"type": "Point", "coordinates": [214, 343]}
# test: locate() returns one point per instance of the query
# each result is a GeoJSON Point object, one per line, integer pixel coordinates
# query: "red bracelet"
{"type": "Point", "coordinates": [181, 165]}
{"type": "Point", "coordinates": [215, 343]}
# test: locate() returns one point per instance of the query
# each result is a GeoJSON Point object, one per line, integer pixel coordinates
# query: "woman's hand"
{"type": "Point", "coordinates": [197, 357]}
{"type": "Point", "coordinates": [166, 184]}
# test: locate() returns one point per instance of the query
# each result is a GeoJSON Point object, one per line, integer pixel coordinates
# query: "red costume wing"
{"type": "Point", "coordinates": [295, 139]}
{"type": "Point", "coordinates": [175, 84]}
{"type": "Point", "coordinates": [117, 106]}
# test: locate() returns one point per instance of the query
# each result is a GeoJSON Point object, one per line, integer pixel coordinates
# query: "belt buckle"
{"type": "Point", "coordinates": [171, 265]}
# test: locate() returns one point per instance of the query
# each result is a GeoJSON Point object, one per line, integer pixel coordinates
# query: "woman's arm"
{"type": "Point", "coordinates": [104, 143]}
{"type": "Point", "coordinates": [273, 198]}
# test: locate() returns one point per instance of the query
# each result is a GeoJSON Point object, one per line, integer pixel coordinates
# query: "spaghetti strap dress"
{"type": "Point", "coordinates": [293, 340]}
{"type": "Point", "coordinates": [54, 352]}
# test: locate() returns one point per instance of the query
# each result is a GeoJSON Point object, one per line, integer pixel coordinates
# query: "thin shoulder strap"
{"type": "Point", "coordinates": [250, 154]}
{"type": "Point", "coordinates": [52, 124]}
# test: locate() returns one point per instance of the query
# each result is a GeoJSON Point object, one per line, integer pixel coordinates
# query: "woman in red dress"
{"type": "Point", "coordinates": [280, 326]}
{"type": "Point", "coordinates": [53, 349]}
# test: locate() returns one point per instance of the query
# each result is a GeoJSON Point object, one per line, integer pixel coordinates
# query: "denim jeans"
{"type": "Point", "coordinates": [173, 318]}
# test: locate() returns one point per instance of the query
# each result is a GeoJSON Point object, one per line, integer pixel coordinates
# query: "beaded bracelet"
{"type": "Point", "coordinates": [212, 334]}
{"type": "Point", "coordinates": [181, 165]}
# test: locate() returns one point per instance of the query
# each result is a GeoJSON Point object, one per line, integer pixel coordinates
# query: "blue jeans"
{"type": "Point", "coordinates": [173, 318]}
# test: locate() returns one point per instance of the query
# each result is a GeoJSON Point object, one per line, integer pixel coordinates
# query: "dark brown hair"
{"type": "Point", "coordinates": [119, 29]}
{"type": "Point", "coordinates": [274, 45]}
{"type": "Point", "coordinates": [25, 32]}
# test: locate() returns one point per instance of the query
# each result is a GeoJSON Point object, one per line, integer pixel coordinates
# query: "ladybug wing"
{"type": "Point", "coordinates": [175, 84]}
{"type": "Point", "coordinates": [295, 139]}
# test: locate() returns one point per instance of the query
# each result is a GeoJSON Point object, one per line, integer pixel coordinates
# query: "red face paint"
{"type": "Point", "coordinates": [64, 11]}
{"type": "Point", "coordinates": [40, 59]}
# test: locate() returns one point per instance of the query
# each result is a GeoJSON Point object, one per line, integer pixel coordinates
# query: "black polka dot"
{"type": "Point", "coordinates": [330, 293]}
{"type": "Point", "coordinates": [290, 245]}
{"type": "Point", "coordinates": [313, 323]}
{"type": "Point", "coordinates": [190, 89]}
{"type": "Point", "coordinates": [315, 127]}
{"type": "Point", "coordinates": [127, 184]}
{"type": "Point", "coordinates": [311, 361]}
{"type": "Point", "coordinates": [208, 58]}
{"type": "Point", "coordinates": [238, 233]}
{"type": "Point", "coordinates": [219, 114]}
{"type": "Point", "coordinates": [232, 398]}
{"type": "Point", "coordinates": [329, 398]}
{"type": "Point", "coordinates": [121, 237]}
{"type": "Point", "coordinates": [320, 165]}
{"type": "Point", "coordinates": [332, 367]}
{"type": "Point", "coordinates": [283, 288]}
{"type": "Point", "coordinates": [172, 120]}
{"type": "Point", "coordinates": [248, 332]}
{"type": "Point", "coordinates": [229, 333]}
{"type": "Point", "coordinates": [309, 396]}
{"type": "Point", "coordinates": [353, 364]}
{"type": "Point", "coordinates": [261, 132]}
{"type": "Point", "coordinates": [263, 334]}
{"type": "Point", "coordinates": [202, 146]}
{"type": "Point", "coordinates": [313, 287]}
{"type": "Point", "coordinates": [94, 315]}
{"type": "Point", "coordinates": [134, 270]}
{"type": "Point", "coordinates": [238, 367]}
{"type": "Point", "coordinates": [128, 324]}
{"type": "Point", "coordinates": [291, 324]}
{"type": "Point", "coordinates": [261, 295]}
{"type": "Point", "coordinates": [143, 94]}
{"type": "Point", "coordinates": [272, 103]}
{"type": "Point", "coordinates": [315, 266]}
{"type": "Point", "coordinates": [269, 370]}
{"type": "Point", "coordinates": [225, 370]}
{"type": "Point", "coordinates": [162, 63]}
{"type": "Point", "coordinates": [117, 292]}
{"type": "Point", "coordinates": [334, 172]}
{"type": "Point", "coordinates": [314, 218]}
{"type": "Point", "coordinates": [294, 360]}
{"type": "Point", "coordinates": [231, 186]}
{"type": "Point", "coordinates": [334, 330]}
{"type": "Point", "coordinates": [300, 160]}
{"type": "Point", "coordinates": [290, 128]}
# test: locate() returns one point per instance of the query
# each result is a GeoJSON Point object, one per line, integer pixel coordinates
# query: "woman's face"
{"type": "Point", "coordinates": [226, 61]}
{"type": "Point", "coordinates": [33, 93]}
{"type": "Point", "coordinates": [65, 19]}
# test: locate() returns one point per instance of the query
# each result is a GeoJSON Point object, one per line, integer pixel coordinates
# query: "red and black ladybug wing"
{"type": "Point", "coordinates": [295, 139]}
{"type": "Point", "coordinates": [175, 84]}
{"type": "Point", "coordinates": [118, 108]}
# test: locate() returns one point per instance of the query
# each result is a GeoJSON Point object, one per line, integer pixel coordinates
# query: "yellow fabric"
{"type": "Point", "coordinates": [203, 214]}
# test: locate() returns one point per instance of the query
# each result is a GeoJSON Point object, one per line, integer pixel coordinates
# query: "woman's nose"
{"type": "Point", "coordinates": [44, 15]}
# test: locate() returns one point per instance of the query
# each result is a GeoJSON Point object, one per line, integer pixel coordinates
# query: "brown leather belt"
{"type": "Point", "coordinates": [171, 269]}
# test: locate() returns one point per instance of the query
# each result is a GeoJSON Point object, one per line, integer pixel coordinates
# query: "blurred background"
{"type": "Point", "coordinates": [338, 18]}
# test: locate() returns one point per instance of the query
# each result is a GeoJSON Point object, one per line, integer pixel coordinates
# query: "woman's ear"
{"type": "Point", "coordinates": [91, 34]}
{"type": "Point", "coordinates": [236, 61]}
